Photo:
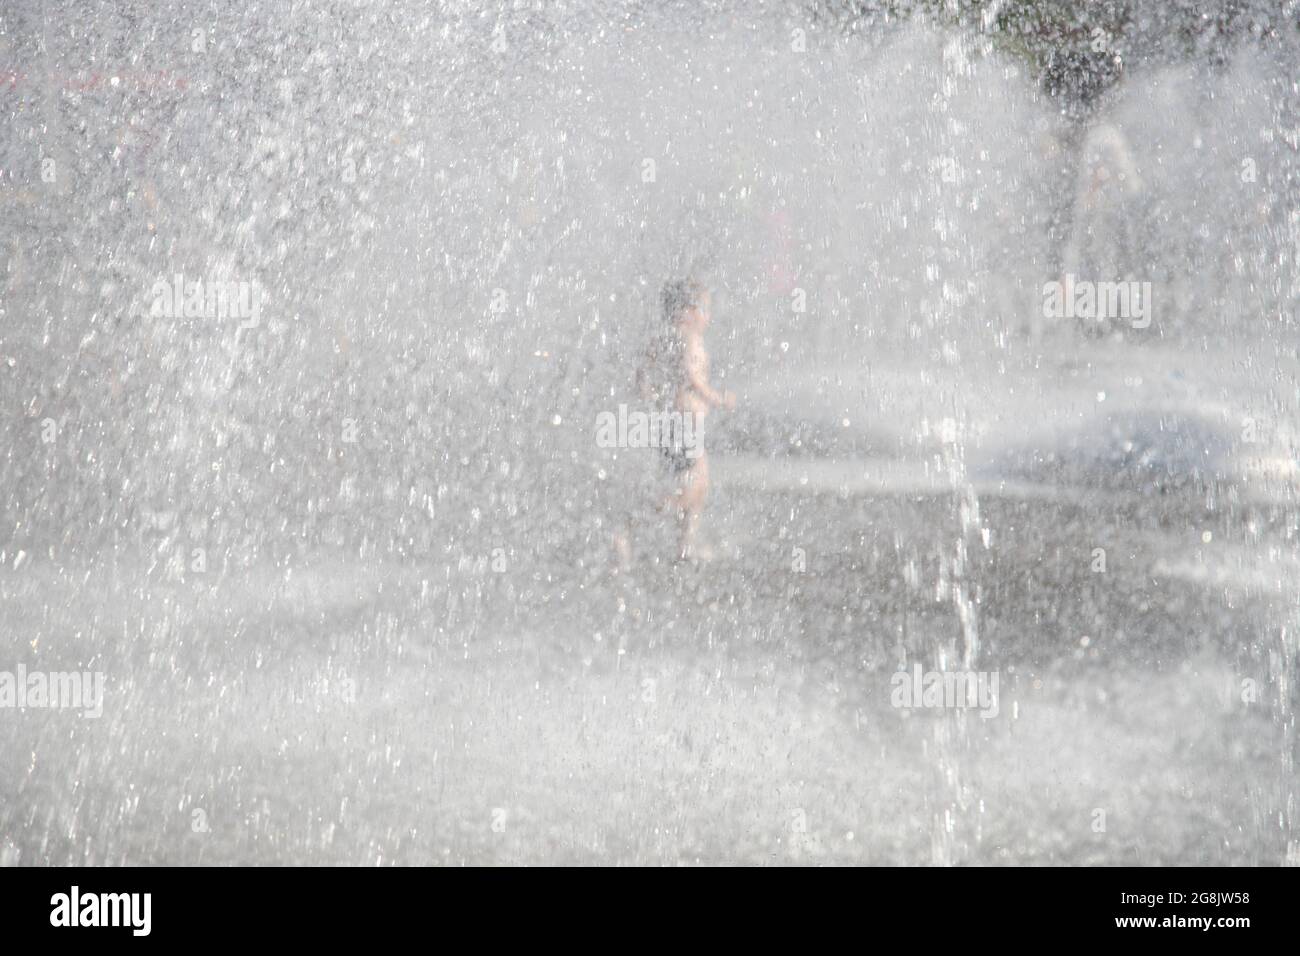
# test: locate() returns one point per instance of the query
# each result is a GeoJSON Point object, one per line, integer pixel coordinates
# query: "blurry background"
{"type": "Point", "coordinates": [458, 217]}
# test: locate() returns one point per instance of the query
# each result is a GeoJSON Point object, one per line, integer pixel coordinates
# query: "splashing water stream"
{"type": "Point", "coordinates": [432, 239]}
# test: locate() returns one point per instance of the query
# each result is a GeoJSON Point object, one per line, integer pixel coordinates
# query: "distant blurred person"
{"type": "Point", "coordinates": [1091, 229]}
{"type": "Point", "coordinates": [673, 381]}
{"type": "Point", "coordinates": [1100, 239]}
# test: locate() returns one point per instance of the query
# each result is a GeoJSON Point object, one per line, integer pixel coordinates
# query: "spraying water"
{"type": "Point", "coordinates": [308, 315]}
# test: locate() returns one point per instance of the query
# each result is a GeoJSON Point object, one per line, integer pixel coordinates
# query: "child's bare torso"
{"type": "Point", "coordinates": [676, 360]}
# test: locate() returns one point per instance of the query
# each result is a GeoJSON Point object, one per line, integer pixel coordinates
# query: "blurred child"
{"type": "Point", "coordinates": [673, 380]}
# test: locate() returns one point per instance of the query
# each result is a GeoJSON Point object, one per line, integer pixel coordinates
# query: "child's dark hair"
{"type": "Point", "coordinates": [680, 295]}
